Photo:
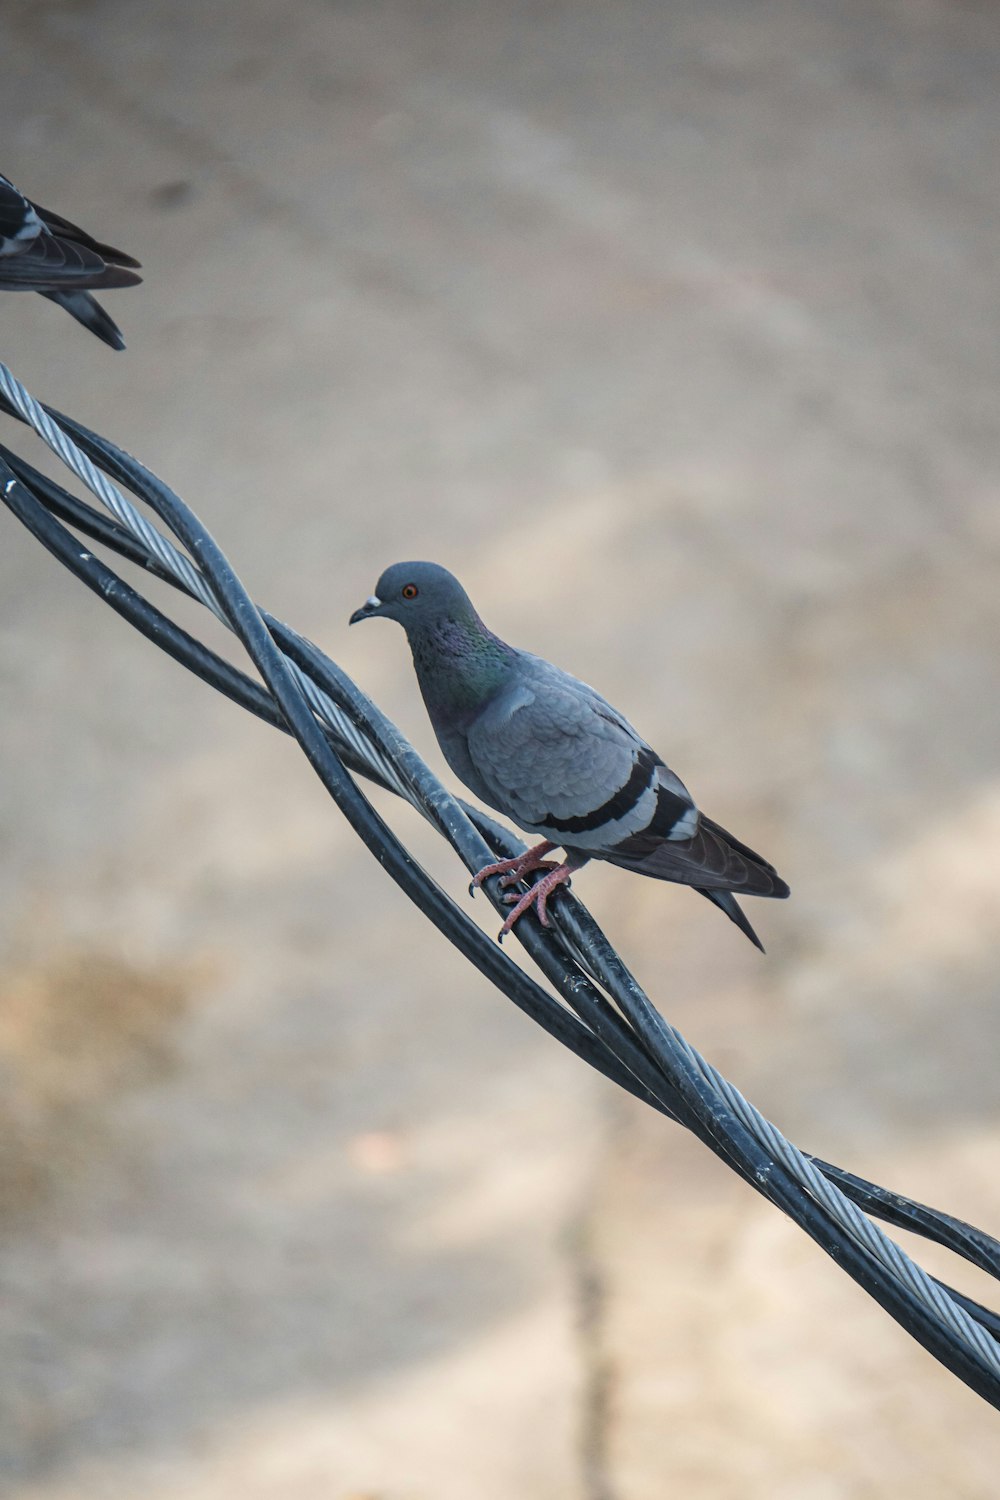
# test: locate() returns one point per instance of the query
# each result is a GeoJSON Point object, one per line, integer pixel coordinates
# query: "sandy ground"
{"type": "Point", "coordinates": [673, 330]}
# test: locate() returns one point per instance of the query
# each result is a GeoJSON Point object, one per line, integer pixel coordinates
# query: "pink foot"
{"type": "Point", "coordinates": [538, 896]}
{"type": "Point", "coordinates": [514, 870]}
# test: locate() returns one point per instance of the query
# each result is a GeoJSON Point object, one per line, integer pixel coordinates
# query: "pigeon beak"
{"type": "Point", "coordinates": [370, 607]}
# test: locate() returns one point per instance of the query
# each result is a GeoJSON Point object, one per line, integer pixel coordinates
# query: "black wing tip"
{"type": "Point", "coordinates": [117, 276]}
{"type": "Point", "coordinates": [64, 229]}
{"type": "Point", "coordinates": [119, 258]}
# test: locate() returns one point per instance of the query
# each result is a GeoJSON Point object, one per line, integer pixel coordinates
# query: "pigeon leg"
{"type": "Point", "coordinates": [540, 892]}
{"type": "Point", "coordinates": [514, 870]}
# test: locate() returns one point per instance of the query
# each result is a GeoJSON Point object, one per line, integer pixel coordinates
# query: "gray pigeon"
{"type": "Point", "coordinates": [41, 252]}
{"type": "Point", "coordinates": [547, 751]}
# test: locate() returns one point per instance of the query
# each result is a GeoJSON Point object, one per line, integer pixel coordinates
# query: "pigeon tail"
{"type": "Point", "coordinates": [778, 887]}
{"type": "Point", "coordinates": [727, 902]}
{"type": "Point", "coordinates": [88, 311]}
{"type": "Point", "coordinates": [42, 252]}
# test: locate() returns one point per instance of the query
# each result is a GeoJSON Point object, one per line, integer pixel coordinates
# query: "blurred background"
{"type": "Point", "coordinates": [672, 329]}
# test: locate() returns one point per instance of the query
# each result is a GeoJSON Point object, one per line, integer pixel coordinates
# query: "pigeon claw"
{"type": "Point", "coordinates": [538, 897]}
{"type": "Point", "coordinates": [514, 870]}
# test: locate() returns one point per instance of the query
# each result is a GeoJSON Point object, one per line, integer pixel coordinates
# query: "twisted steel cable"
{"type": "Point", "coordinates": [605, 1017]}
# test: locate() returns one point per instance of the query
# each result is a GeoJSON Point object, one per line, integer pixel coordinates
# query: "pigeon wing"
{"type": "Point", "coordinates": [559, 760]}
{"type": "Point", "coordinates": [65, 230]}
{"type": "Point", "coordinates": [40, 252]}
{"type": "Point", "coordinates": [711, 860]}
{"type": "Point", "coordinates": [19, 224]}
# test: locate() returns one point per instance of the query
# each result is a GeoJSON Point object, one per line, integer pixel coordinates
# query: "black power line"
{"type": "Point", "coordinates": [596, 1007]}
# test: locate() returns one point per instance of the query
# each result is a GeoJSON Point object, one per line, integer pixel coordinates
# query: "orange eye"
{"type": "Point", "coordinates": [409, 591]}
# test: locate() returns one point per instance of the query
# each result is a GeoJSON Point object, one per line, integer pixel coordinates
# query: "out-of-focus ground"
{"type": "Point", "coordinates": [673, 330]}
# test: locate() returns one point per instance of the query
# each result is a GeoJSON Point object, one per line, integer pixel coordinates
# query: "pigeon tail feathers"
{"type": "Point", "coordinates": [88, 311]}
{"type": "Point", "coordinates": [727, 902]}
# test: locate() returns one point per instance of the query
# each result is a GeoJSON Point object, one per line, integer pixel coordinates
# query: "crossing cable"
{"type": "Point", "coordinates": [609, 1022]}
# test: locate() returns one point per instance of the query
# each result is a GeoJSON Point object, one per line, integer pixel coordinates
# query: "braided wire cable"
{"type": "Point", "coordinates": [170, 558]}
{"type": "Point", "coordinates": [964, 1239]}
{"type": "Point", "coordinates": [621, 983]}
{"type": "Point", "coordinates": [660, 1065]}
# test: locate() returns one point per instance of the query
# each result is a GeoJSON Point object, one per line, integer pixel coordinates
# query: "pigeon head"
{"type": "Point", "coordinates": [460, 664]}
{"type": "Point", "coordinates": [420, 595]}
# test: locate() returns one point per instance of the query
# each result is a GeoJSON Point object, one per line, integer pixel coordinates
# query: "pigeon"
{"type": "Point", "coordinates": [42, 252]}
{"type": "Point", "coordinates": [550, 753]}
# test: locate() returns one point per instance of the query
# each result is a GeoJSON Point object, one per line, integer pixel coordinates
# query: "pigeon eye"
{"type": "Point", "coordinates": [409, 591]}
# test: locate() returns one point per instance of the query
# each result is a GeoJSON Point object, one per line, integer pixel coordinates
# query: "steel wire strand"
{"type": "Point", "coordinates": [717, 1108]}
{"type": "Point", "coordinates": [771, 1137]}
{"type": "Point", "coordinates": [726, 1112]}
{"type": "Point", "coordinates": [964, 1239]}
{"type": "Point", "coordinates": [629, 994]}
{"type": "Point", "coordinates": [423, 788]}
{"type": "Point", "coordinates": [249, 694]}
{"type": "Point", "coordinates": [245, 691]}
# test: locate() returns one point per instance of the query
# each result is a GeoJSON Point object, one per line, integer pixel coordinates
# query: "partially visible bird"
{"type": "Point", "coordinates": [42, 252]}
{"type": "Point", "coordinates": [553, 755]}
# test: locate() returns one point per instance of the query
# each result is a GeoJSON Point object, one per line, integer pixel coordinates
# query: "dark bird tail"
{"type": "Point", "coordinates": [42, 252]}
{"type": "Point", "coordinates": [727, 902]}
{"type": "Point", "coordinates": [88, 311]}
{"type": "Point", "coordinates": [761, 878]}
{"type": "Point", "coordinates": [717, 865]}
